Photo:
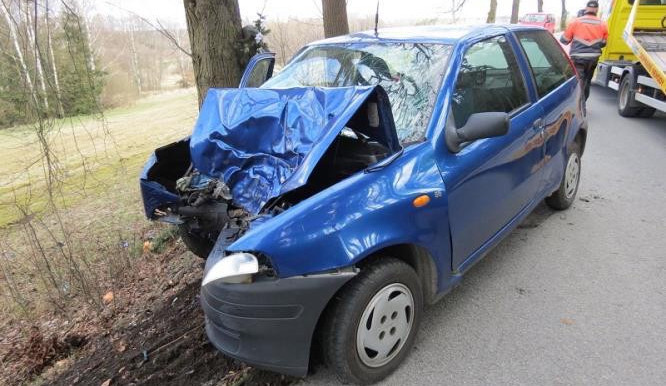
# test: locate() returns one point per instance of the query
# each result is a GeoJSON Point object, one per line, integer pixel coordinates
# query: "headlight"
{"type": "Point", "coordinates": [235, 268]}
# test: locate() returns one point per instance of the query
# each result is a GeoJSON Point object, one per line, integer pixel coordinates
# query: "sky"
{"type": "Point", "coordinates": [392, 11]}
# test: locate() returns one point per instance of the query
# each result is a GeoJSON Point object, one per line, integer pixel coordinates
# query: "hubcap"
{"type": "Point", "coordinates": [571, 175]}
{"type": "Point", "coordinates": [385, 325]}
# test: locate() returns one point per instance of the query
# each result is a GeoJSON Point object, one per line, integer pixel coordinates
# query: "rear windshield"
{"type": "Point", "coordinates": [532, 18]}
{"type": "Point", "coordinates": [411, 74]}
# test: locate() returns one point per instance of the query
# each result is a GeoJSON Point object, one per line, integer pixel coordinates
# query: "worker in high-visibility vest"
{"type": "Point", "coordinates": [587, 35]}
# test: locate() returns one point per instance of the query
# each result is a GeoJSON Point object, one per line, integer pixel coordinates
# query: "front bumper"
{"type": "Point", "coordinates": [269, 323]}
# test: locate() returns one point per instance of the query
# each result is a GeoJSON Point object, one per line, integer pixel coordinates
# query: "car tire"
{"type": "Point", "coordinates": [647, 112]}
{"type": "Point", "coordinates": [625, 98]}
{"type": "Point", "coordinates": [379, 309]}
{"type": "Point", "coordinates": [197, 244]}
{"type": "Point", "coordinates": [565, 194]}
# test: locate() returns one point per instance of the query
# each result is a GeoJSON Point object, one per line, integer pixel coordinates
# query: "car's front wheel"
{"type": "Point", "coordinates": [196, 243]}
{"type": "Point", "coordinates": [565, 195]}
{"type": "Point", "coordinates": [371, 326]}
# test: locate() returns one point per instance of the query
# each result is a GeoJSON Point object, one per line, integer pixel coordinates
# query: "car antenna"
{"type": "Point", "coordinates": [377, 20]}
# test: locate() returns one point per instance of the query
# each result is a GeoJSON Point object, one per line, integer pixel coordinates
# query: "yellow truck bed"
{"type": "Point", "coordinates": [617, 15]}
{"type": "Point", "coordinates": [649, 44]}
{"type": "Point", "coordinates": [654, 43]}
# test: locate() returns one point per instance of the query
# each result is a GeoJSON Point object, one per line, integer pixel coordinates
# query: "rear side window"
{"type": "Point", "coordinates": [489, 81]}
{"type": "Point", "coordinates": [549, 64]}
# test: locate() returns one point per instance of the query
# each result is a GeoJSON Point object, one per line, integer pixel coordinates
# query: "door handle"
{"type": "Point", "coordinates": [538, 124]}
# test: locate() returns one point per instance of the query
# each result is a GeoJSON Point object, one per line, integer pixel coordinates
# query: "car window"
{"type": "Point", "coordinates": [651, 2]}
{"type": "Point", "coordinates": [534, 18]}
{"type": "Point", "coordinates": [410, 73]}
{"type": "Point", "coordinates": [489, 80]}
{"type": "Point", "coordinates": [550, 66]}
{"type": "Point", "coordinates": [259, 72]}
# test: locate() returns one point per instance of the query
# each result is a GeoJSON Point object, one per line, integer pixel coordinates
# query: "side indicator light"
{"type": "Point", "coordinates": [421, 200]}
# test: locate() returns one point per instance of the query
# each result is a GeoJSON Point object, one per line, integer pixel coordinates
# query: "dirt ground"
{"type": "Point", "coordinates": [150, 333]}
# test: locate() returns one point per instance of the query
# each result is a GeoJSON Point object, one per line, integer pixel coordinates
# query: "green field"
{"type": "Point", "coordinates": [99, 159]}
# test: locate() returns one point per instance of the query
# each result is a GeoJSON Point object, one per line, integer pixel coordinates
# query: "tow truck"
{"type": "Point", "coordinates": [633, 63]}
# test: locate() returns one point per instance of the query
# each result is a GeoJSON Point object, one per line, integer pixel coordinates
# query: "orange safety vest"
{"type": "Point", "coordinates": [587, 35]}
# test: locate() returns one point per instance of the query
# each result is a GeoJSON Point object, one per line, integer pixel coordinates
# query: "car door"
{"type": "Point", "coordinates": [491, 181]}
{"type": "Point", "coordinates": [558, 95]}
{"type": "Point", "coordinates": [259, 69]}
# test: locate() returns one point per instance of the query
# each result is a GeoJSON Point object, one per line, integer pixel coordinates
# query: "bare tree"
{"type": "Point", "coordinates": [91, 56]}
{"type": "Point", "coordinates": [454, 9]}
{"type": "Point", "coordinates": [563, 19]}
{"type": "Point", "coordinates": [17, 47]}
{"type": "Point", "coordinates": [492, 12]}
{"type": "Point", "coordinates": [31, 32]}
{"type": "Point", "coordinates": [540, 5]}
{"type": "Point", "coordinates": [181, 57]}
{"type": "Point", "coordinates": [215, 30]}
{"type": "Point", "coordinates": [515, 10]}
{"type": "Point", "coordinates": [279, 38]}
{"type": "Point", "coordinates": [335, 18]}
{"type": "Point", "coordinates": [54, 68]}
{"type": "Point", "coordinates": [134, 58]}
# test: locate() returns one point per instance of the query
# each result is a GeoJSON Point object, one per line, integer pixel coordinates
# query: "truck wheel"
{"type": "Point", "coordinates": [565, 195]}
{"type": "Point", "coordinates": [370, 328]}
{"type": "Point", "coordinates": [625, 98]}
{"type": "Point", "coordinates": [199, 245]}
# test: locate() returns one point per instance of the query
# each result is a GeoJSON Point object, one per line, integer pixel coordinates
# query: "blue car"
{"type": "Point", "coordinates": [336, 199]}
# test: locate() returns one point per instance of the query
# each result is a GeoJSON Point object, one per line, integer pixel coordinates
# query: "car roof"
{"type": "Point", "coordinates": [445, 34]}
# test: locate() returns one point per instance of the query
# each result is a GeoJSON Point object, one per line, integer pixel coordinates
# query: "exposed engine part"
{"type": "Point", "coordinates": [207, 211]}
{"type": "Point", "coordinates": [206, 188]}
{"type": "Point", "coordinates": [207, 216]}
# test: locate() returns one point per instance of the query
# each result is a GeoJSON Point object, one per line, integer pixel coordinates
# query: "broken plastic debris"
{"type": "Point", "coordinates": [108, 297]}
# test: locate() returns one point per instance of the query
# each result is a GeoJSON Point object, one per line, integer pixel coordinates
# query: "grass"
{"type": "Point", "coordinates": [99, 226]}
{"type": "Point", "coordinates": [98, 159]}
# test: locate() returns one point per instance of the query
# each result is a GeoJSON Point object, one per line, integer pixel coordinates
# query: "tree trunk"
{"type": "Point", "coordinates": [563, 20]}
{"type": "Point", "coordinates": [91, 51]}
{"type": "Point", "coordinates": [515, 10]}
{"type": "Point", "coordinates": [19, 54]}
{"type": "Point", "coordinates": [214, 27]}
{"type": "Point", "coordinates": [54, 68]}
{"type": "Point", "coordinates": [335, 17]}
{"type": "Point", "coordinates": [492, 12]}
{"type": "Point", "coordinates": [32, 39]}
{"type": "Point", "coordinates": [540, 5]}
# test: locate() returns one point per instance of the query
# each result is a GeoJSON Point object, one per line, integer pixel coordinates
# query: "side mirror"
{"type": "Point", "coordinates": [479, 125]}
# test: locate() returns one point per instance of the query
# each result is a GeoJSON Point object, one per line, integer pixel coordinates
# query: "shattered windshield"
{"type": "Point", "coordinates": [410, 73]}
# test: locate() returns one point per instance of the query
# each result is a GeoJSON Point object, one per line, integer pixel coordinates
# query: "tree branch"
{"type": "Point", "coordinates": [159, 28]}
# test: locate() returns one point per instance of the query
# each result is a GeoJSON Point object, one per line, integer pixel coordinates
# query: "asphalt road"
{"type": "Point", "coordinates": [575, 297]}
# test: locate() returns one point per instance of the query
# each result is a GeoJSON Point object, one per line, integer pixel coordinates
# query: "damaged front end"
{"type": "Point", "coordinates": [254, 153]}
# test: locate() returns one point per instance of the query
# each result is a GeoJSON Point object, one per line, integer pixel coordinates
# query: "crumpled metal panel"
{"type": "Point", "coordinates": [154, 194]}
{"type": "Point", "coordinates": [265, 142]}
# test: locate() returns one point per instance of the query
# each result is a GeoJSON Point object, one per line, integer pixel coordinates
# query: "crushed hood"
{"type": "Point", "coordinates": [265, 142]}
